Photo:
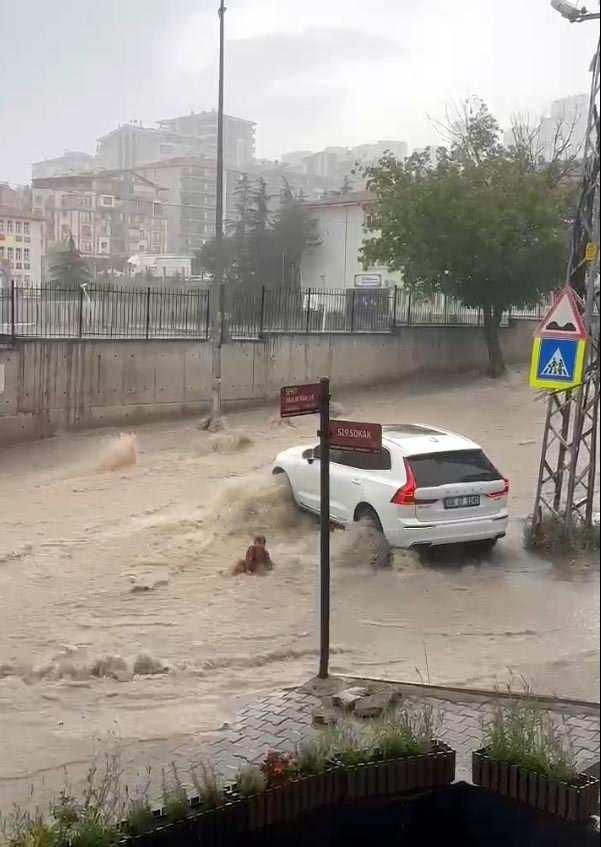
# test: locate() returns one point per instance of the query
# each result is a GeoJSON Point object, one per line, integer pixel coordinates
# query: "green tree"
{"type": "Point", "coordinates": [477, 225]}
{"type": "Point", "coordinates": [262, 249]}
{"type": "Point", "coordinates": [68, 267]}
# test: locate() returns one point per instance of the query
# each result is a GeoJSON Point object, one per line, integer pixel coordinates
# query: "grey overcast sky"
{"type": "Point", "coordinates": [311, 73]}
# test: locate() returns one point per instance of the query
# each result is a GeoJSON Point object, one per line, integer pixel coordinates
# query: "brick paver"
{"type": "Point", "coordinates": [283, 719]}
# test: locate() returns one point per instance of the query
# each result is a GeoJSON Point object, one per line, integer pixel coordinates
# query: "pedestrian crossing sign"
{"type": "Point", "coordinates": [557, 363]}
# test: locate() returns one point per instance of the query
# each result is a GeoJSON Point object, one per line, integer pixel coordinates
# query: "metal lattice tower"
{"type": "Point", "coordinates": [568, 468]}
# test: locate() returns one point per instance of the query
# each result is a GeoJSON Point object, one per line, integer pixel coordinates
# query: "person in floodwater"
{"type": "Point", "coordinates": [257, 559]}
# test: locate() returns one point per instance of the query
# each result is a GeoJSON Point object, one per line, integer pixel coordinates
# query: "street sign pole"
{"type": "Point", "coordinates": [324, 570]}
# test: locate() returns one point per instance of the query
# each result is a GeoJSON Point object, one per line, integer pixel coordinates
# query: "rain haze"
{"type": "Point", "coordinates": [295, 433]}
{"type": "Point", "coordinates": [311, 74]}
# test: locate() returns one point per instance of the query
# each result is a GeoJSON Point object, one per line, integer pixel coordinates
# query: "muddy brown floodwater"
{"type": "Point", "coordinates": [119, 621]}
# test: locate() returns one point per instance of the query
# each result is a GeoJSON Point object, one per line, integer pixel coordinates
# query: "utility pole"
{"type": "Point", "coordinates": [567, 475]}
{"type": "Point", "coordinates": [218, 287]}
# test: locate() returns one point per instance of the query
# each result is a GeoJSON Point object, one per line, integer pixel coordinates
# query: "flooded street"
{"type": "Point", "coordinates": [119, 616]}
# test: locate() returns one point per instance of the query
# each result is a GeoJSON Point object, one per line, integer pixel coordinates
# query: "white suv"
{"type": "Point", "coordinates": [426, 487]}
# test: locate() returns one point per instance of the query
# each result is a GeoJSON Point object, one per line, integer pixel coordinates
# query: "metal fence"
{"type": "Point", "coordinates": [96, 312]}
{"type": "Point", "coordinates": [92, 311]}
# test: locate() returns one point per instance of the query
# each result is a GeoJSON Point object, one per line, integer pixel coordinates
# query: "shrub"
{"type": "Point", "coordinates": [139, 818]}
{"type": "Point", "coordinates": [175, 797]}
{"type": "Point", "coordinates": [523, 733]}
{"type": "Point", "coordinates": [312, 755]}
{"type": "Point", "coordinates": [250, 781]}
{"type": "Point", "coordinates": [349, 745]}
{"type": "Point", "coordinates": [407, 732]}
{"type": "Point", "coordinates": [208, 786]}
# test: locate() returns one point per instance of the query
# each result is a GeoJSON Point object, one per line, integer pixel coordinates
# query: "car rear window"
{"type": "Point", "coordinates": [452, 466]}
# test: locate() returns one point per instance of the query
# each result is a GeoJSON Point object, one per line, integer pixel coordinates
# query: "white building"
{"type": "Point", "coordinates": [22, 246]}
{"type": "Point", "coordinates": [335, 263]}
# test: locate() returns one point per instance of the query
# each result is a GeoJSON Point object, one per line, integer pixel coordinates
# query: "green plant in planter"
{"type": "Point", "coordinates": [175, 797]}
{"type": "Point", "coordinates": [313, 754]}
{"type": "Point", "coordinates": [208, 786]}
{"type": "Point", "coordinates": [350, 745]}
{"type": "Point", "coordinates": [250, 781]}
{"type": "Point", "coordinates": [522, 732]}
{"type": "Point", "coordinates": [25, 829]}
{"type": "Point", "coordinates": [406, 732]}
{"type": "Point", "coordinates": [138, 811]}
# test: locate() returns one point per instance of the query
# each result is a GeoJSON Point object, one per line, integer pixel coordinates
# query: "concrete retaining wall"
{"type": "Point", "coordinates": [49, 385]}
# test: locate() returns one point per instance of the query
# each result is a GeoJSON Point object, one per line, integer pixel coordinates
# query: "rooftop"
{"type": "Point", "coordinates": [353, 198]}
{"type": "Point", "coordinates": [25, 214]}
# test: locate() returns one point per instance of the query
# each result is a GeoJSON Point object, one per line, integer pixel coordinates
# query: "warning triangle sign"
{"type": "Point", "coordinates": [564, 319]}
{"type": "Point", "coordinates": [556, 366]}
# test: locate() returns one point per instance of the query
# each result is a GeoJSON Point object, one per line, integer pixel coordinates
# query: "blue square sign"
{"type": "Point", "coordinates": [557, 359]}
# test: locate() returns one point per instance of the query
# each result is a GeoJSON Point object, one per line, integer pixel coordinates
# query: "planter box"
{"type": "Point", "coordinates": [398, 776]}
{"type": "Point", "coordinates": [571, 802]}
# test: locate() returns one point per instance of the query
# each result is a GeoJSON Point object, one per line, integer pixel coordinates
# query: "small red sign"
{"type": "Point", "coordinates": [360, 437]}
{"type": "Point", "coordinates": [300, 400]}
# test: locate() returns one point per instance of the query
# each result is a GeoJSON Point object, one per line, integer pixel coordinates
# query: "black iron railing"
{"type": "Point", "coordinates": [94, 311]}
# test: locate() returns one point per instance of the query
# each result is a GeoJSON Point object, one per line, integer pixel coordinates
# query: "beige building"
{"type": "Point", "coordinates": [111, 215]}
{"type": "Point", "coordinates": [190, 184]}
{"type": "Point", "coordinates": [22, 247]}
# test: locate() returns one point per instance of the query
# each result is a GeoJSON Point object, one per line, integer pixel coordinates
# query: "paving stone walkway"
{"type": "Point", "coordinates": [280, 720]}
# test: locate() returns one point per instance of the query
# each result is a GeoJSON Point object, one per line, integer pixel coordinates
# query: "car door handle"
{"type": "Point", "coordinates": [356, 481]}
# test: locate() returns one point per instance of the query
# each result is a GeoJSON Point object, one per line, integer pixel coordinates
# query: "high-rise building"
{"type": "Point", "coordinates": [71, 162]}
{"type": "Point", "coordinates": [133, 145]}
{"type": "Point", "coordinates": [238, 136]}
{"type": "Point", "coordinates": [110, 214]}
{"type": "Point", "coordinates": [190, 186]}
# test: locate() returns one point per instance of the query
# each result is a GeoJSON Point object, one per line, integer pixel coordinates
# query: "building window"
{"type": "Point", "coordinates": [1, 252]}
{"type": "Point", "coordinates": [104, 246]}
{"type": "Point", "coordinates": [26, 254]}
{"type": "Point", "coordinates": [18, 254]}
{"type": "Point", "coordinates": [86, 231]}
{"type": "Point", "coordinates": [1, 226]}
{"type": "Point", "coordinates": [27, 239]}
{"type": "Point", "coordinates": [9, 226]}
{"type": "Point", "coordinates": [86, 247]}
{"type": "Point", "coordinates": [87, 201]}
{"type": "Point", "coordinates": [10, 253]}
{"type": "Point", "coordinates": [26, 228]}
{"type": "Point", "coordinates": [27, 266]}
{"type": "Point", "coordinates": [18, 226]}
{"type": "Point", "coordinates": [106, 200]}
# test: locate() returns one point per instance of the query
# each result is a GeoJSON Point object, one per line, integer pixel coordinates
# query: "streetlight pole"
{"type": "Point", "coordinates": [218, 288]}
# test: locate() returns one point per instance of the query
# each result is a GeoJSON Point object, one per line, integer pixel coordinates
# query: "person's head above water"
{"type": "Point", "coordinates": [260, 540]}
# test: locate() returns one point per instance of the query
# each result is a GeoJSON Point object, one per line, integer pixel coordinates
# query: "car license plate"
{"type": "Point", "coordinates": [462, 502]}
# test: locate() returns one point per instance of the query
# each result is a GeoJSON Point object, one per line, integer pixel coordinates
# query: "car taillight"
{"type": "Point", "coordinates": [405, 496]}
{"type": "Point", "coordinates": [497, 495]}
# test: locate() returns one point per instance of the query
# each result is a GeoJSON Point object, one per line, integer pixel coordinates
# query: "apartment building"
{"type": "Point", "coordinates": [133, 145]}
{"type": "Point", "coordinates": [22, 247]}
{"type": "Point", "coordinates": [238, 136]}
{"type": "Point", "coordinates": [110, 214]}
{"type": "Point", "coordinates": [71, 162]}
{"type": "Point", "coordinates": [190, 185]}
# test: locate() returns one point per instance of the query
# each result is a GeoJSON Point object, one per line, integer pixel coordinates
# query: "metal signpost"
{"type": "Point", "coordinates": [308, 399]}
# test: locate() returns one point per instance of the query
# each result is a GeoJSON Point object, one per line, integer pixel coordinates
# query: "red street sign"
{"type": "Point", "coordinates": [300, 400]}
{"type": "Point", "coordinates": [360, 437]}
